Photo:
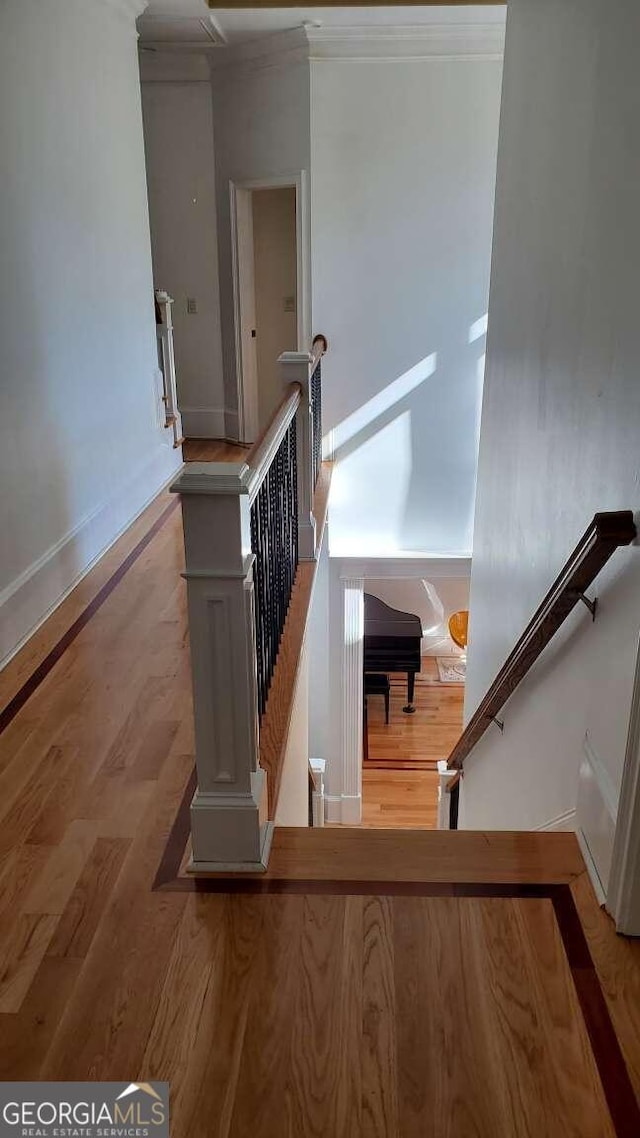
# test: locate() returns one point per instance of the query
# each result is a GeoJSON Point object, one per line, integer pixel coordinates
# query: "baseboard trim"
{"type": "Point", "coordinates": [563, 823]}
{"type": "Point", "coordinates": [33, 596]}
{"type": "Point", "coordinates": [204, 422]}
{"type": "Point", "coordinates": [343, 809]}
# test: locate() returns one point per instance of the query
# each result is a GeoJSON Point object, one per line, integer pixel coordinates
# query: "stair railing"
{"type": "Point", "coordinates": [606, 533]}
{"type": "Point", "coordinates": [246, 527]}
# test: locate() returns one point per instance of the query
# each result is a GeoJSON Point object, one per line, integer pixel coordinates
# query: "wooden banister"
{"type": "Point", "coordinates": [606, 533]}
{"type": "Point", "coordinates": [319, 346]}
{"type": "Point", "coordinates": [261, 453]}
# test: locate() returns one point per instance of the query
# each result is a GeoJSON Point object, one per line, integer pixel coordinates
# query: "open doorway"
{"type": "Point", "coordinates": [413, 695]}
{"type": "Point", "coordinates": [269, 293]}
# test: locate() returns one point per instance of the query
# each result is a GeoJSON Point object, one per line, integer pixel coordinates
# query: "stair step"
{"type": "Point", "coordinates": [345, 853]}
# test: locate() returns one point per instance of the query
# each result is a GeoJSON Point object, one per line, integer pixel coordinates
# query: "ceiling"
{"type": "Point", "coordinates": [192, 23]}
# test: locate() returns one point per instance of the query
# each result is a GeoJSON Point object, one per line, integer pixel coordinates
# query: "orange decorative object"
{"type": "Point", "coordinates": [458, 627]}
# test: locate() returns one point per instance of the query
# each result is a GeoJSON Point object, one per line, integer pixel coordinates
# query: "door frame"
{"type": "Point", "coordinates": [247, 393]}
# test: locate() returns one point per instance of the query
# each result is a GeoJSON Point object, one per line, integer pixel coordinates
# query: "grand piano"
{"type": "Point", "coordinates": [392, 642]}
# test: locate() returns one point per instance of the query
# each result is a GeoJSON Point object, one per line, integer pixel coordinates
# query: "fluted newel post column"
{"type": "Point", "coordinates": [352, 698]}
{"type": "Point", "coordinates": [229, 823]}
{"type": "Point", "coordinates": [295, 367]}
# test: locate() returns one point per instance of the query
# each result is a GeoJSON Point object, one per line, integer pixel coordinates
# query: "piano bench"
{"type": "Point", "coordinates": [375, 683]}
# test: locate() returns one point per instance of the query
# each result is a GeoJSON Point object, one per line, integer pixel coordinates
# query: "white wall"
{"type": "Point", "coordinates": [403, 168]}
{"type": "Point", "coordinates": [274, 244]}
{"type": "Point", "coordinates": [561, 414]}
{"type": "Point", "coordinates": [261, 129]}
{"type": "Point", "coordinates": [178, 130]}
{"type": "Point", "coordinates": [82, 449]}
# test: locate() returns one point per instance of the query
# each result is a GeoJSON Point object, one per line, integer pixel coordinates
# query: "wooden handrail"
{"type": "Point", "coordinates": [319, 346]}
{"type": "Point", "coordinates": [606, 533]}
{"type": "Point", "coordinates": [261, 453]}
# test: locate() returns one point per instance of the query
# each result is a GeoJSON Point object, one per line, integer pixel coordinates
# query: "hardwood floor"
{"type": "Point", "coordinates": [213, 450]}
{"type": "Point", "coordinates": [399, 783]}
{"type": "Point", "coordinates": [415, 742]}
{"type": "Point", "coordinates": [374, 982]}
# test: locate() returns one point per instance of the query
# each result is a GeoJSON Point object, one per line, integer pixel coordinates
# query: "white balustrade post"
{"type": "Point", "coordinates": [229, 825]}
{"type": "Point", "coordinates": [173, 417]}
{"type": "Point", "coordinates": [295, 368]}
{"type": "Point", "coordinates": [444, 798]}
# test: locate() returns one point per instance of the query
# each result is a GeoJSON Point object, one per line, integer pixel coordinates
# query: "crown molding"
{"type": "Point", "coordinates": [277, 50]}
{"type": "Point", "coordinates": [446, 41]}
{"type": "Point", "coordinates": [417, 42]}
{"type": "Point", "coordinates": [130, 9]}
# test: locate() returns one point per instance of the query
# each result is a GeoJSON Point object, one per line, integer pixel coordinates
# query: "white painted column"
{"type": "Point", "coordinates": [352, 698]}
{"type": "Point", "coordinates": [229, 825]}
{"type": "Point", "coordinates": [444, 798]}
{"type": "Point", "coordinates": [295, 369]}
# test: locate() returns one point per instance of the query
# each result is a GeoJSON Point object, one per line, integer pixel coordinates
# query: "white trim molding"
{"type": "Point", "coordinates": [352, 699]}
{"type": "Point", "coordinates": [413, 566]}
{"type": "Point", "coordinates": [623, 894]}
{"type": "Point", "coordinates": [561, 824]}
{"type": "Point", "coordinates": [596, 812]}
{"type": "Point", "coordinates": [204, 422]}
{"type": "Point", "coordinates": [130, 9]}
{"type": "Point", "coordinates": [452, 41]}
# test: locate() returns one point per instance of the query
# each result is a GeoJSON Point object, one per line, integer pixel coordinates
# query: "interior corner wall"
{"type": "Point", "coordinates": [179, 146]}
{"type": "Point", "coordinates": [403, 171]}
{"type": "Point", "coordinates": [261, 129]}
{"type": "Point", "coordinates": [83, 446]}
{"type": "Point", "coordinates": [561, 413]}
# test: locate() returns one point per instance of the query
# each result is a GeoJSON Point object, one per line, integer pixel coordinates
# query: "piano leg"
{"type": "Point", "coordinates": [411, 683]}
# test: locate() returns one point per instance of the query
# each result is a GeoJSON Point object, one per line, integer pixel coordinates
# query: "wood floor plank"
{"type": "Point", "coordinates": [22, 953]}
{"type": "Point", "coordinates": [53, 888]}
{"type": "Point", "coordinates": [81, 916]}
{"type": "Point", "coordinates": [25, 1036]}
{"type": "Point", "coordinates": [263, 1104]}
{"type": "Point", "coordinates": [175, 1052]}
{"type": "Point", "coordinates": [224, 1027]}
{"type": "Point", "coordinates": [379, 1048]}
{"type": "Point", "coordinates": [316, 1069]}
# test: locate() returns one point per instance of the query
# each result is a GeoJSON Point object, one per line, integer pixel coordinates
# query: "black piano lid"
{"type": "Point", "coordinates": [382, 620]}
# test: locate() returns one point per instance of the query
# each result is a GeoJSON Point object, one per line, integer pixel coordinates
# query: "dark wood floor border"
{"type": "Point", "coordinates": [51, 659]}
{"type": "Point", "coordinates": [614, 1076]}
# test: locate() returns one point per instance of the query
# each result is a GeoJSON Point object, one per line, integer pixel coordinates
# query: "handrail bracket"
{"type": "Point", "coordinates": [591, 605]}
{"type": "Point", "coordinates": [498, 722]}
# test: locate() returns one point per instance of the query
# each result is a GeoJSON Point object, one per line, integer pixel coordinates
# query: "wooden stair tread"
{"type": "Point", "coordinates": [344, 853]}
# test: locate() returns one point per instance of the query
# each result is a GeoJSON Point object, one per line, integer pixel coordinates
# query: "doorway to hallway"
{"type": "Point", "coordinates": [270, 298]}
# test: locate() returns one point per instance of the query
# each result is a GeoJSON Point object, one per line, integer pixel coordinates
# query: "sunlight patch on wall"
{"type": "Point", "coordinates": [360, 419]}
{"type": "Point", "coordinates": [384, 462]}
{"type": "Point", "coordinates": [479, 328]}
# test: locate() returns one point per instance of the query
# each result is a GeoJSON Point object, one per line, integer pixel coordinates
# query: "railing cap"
{"type": "Point", "coordinates": [295, 358]}
{"type": "Point", "coordinates": [213, 478]}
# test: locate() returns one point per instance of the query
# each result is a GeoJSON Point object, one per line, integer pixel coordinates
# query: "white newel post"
{"type": "Point", "coordinates": [444, 798]}
{"type": "Point", "coordinates": [352, 699]}
{"type": "Point", "coordinates": [167, 362]}
{"type": "Point", "coordinates": [229, 825]}
{"type": "Point", "coordinates": [295, 368]}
